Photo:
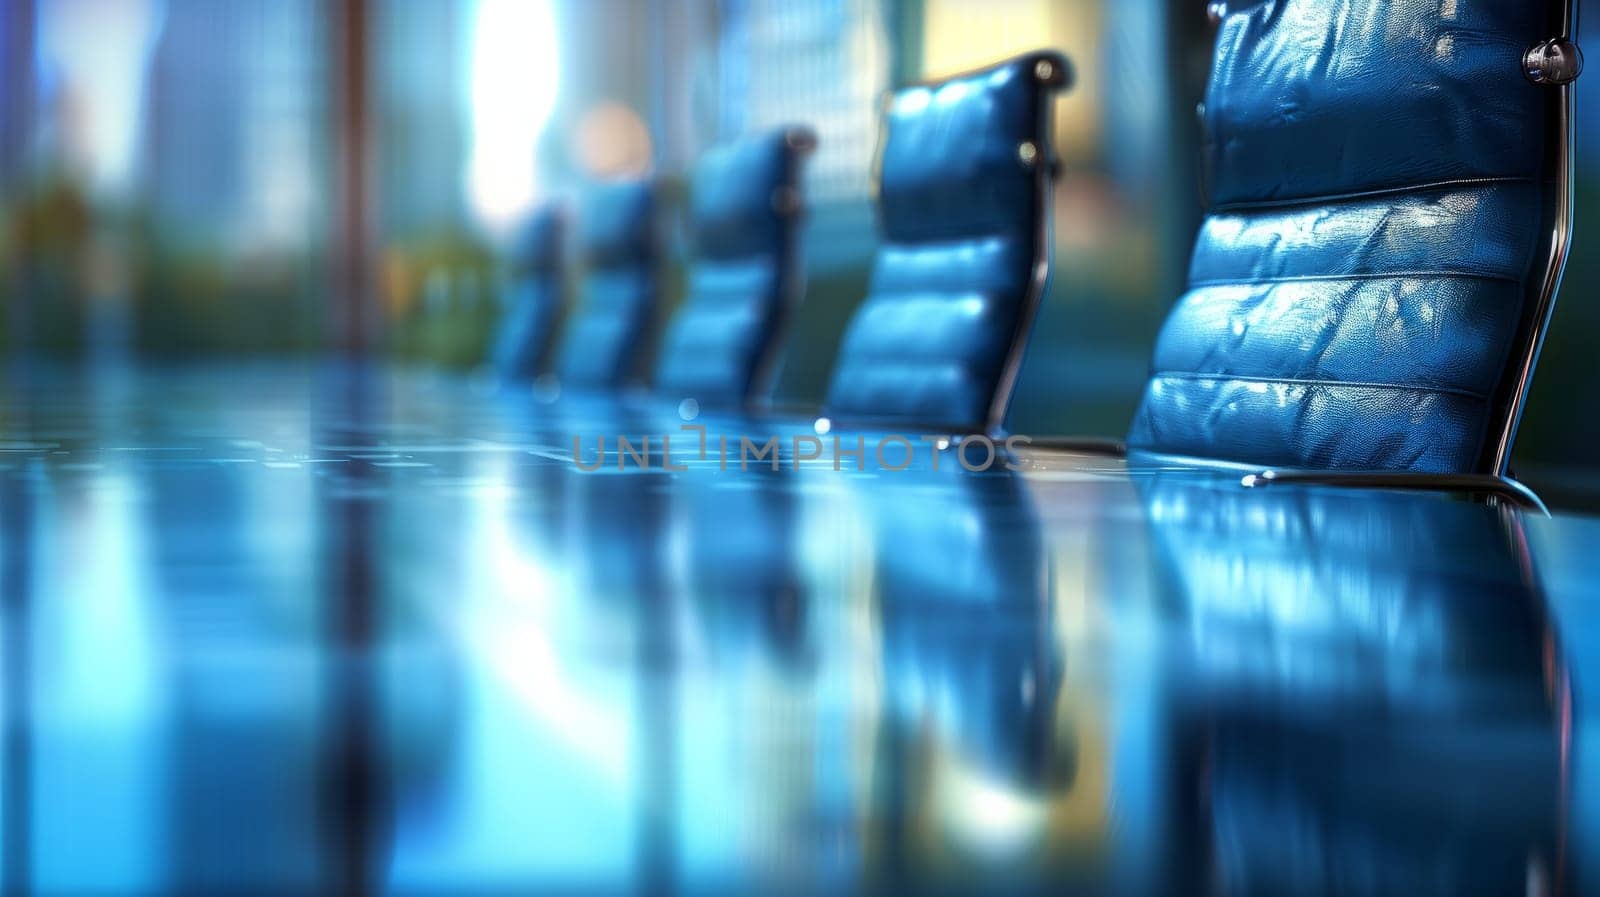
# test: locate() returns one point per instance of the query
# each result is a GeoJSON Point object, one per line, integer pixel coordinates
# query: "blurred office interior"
{"type": "Point", "coordinates": [394, 676]}
{"type": "Point", "coordinates": [190, 178]}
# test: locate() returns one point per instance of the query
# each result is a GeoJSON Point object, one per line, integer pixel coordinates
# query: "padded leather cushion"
{"type": "Point", "coordinates": [534, 297]}
{"type": "Point", "coordinates": [741, 274]}
{"type": "Point", "coordinates": [731, 208]}
{"type": "Point", "coordinates": [1354, 292]}
{"type": "Point", "coordinates": [605, 340]}
{"type": "Point", "coordinates": [960, 215]}
{"type": "Point", "coordinates": [541, 242]}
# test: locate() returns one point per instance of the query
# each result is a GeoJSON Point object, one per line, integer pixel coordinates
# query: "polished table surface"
{"type": "Point", "coordinates": [316, 629]}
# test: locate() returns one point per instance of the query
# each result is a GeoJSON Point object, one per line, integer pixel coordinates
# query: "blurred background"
{"type": "Point", "coordinates": [239, 178]}
{"type": "Point", "coordinates": [479, 695]}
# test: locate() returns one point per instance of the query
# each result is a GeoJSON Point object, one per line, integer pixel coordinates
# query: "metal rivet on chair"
{"type": "Point", "coordinates": [1027, 152]}
{"type": "Point", "coordinates": [1216, 11]}
{"type": "Point", "coordinates": [1553, 62]}
{"type": "Point", "coordinates": [1044, 70]}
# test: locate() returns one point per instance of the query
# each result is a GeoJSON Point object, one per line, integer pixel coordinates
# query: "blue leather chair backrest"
{"type": "Point", "coordinates": [1366, 287]}
{"type": "Point", "coordinates": [965, 170]}
{"type": "Point", "coordinates": [605, 342]}
{"type": "Point", "coordinates": [743, 213]}
{"type": "Point", "coordinates": [535, 296]}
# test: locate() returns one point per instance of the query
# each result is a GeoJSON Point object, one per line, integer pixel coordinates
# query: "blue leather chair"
{"type": "Point", "coordinates": [744, 212]}
{"type": "Point", "coordinates": [965, 170]}
{"type": "Point", "coordinates": [606, 340]}
{"type": "Point", "coordinates": [1389, 206]}
{"type": "Point", "coordinates": [536, 294]}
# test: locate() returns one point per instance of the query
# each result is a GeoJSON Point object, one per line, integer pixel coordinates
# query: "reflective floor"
{"type": "Point", "coordinates": [304, 630]}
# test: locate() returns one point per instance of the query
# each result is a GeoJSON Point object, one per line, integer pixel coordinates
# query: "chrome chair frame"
{"type": "Point", "coordinates": [1044, 176]}
{"type": "Point", "coordinates": [803, 141]}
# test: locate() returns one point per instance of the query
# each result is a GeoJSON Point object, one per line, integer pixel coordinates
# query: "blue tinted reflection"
{"type": "Point", "coordinates": [375, 635]}
{"type": "Point", "coordinates": [1372, 707]}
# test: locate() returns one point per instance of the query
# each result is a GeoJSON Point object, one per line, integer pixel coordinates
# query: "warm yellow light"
{"type": "Point", "coordinates": [612, 141]}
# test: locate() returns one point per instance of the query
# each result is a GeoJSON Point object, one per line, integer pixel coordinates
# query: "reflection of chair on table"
{"type": "Point", "coordinates": [994, 762]}
{"type": "Point", "coordinates": [743, 560]}
{"type": "Point", "coordinates": [963, 594]}
{"type": "Point", "coordinates": [1375, 709]}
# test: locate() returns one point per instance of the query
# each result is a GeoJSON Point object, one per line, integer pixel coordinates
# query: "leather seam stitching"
{"type": "Point", "coordinates": [1307, 381]}
{"type": "Point", "coordinates": [1265, 204]}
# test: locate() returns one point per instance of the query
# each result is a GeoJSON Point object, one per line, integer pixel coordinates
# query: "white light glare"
{"type": "Point", "coordinates": [514, 76]}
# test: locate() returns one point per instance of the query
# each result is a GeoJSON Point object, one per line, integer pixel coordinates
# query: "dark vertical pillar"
{"type": "Point", "coordinates": [354, 782]}
{"type": "Point", "coordinates": [352, 296]}
{"type": "Point", "coordinates": [354, 808]}
{"type": "Point", "coordinates": [352, 792]}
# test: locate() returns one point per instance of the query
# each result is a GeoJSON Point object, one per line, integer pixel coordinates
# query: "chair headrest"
{"type": "Point", "coordinates": [742, 191]}
{"type": "Point", "coordinates": [961, 155]}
